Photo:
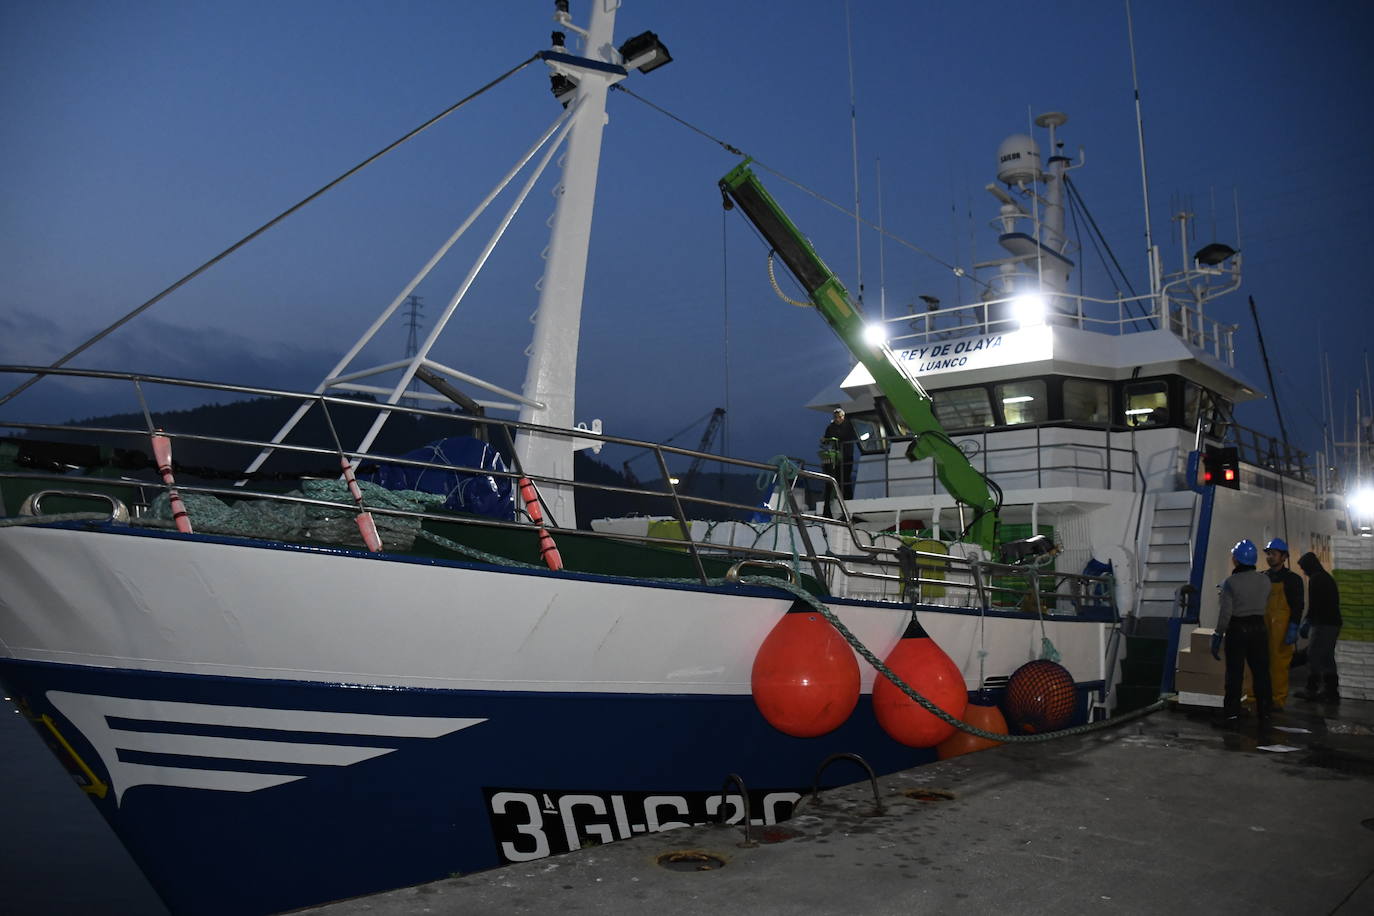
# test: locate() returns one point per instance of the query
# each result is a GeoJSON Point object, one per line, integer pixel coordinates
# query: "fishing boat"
{"type": "Point", "coordinates": [300, 667]}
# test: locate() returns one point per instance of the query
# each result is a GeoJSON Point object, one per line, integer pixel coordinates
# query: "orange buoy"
{"type": "Point", "coordinates": [805, 678]}
{"type": "Point", "coordinates": [547, 548]}
{"type": "Point", "coordinates": [983, 714]}
{"type": "Point", "coordinates": [930, 672]}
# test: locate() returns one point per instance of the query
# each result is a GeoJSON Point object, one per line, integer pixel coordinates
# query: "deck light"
{"type": "Point", "coordinates": [875, 335]}
{"type": "Point", "coordinates": [1362, 502]}
{"type": "Point", "coordinates": [1029, 309]}
{"type": "Point", "coordinates": [644, 52]}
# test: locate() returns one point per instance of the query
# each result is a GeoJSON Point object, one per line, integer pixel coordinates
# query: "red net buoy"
{"type": "Point", "coordinates": [805, 678]}
{"type": "Point", "coordinates": [1040, 697]}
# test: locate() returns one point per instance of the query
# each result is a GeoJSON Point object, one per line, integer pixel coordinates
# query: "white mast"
{"type": "Point", "coordinates": [551, 375]}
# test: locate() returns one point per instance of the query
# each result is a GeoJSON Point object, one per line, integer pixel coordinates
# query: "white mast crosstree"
{"type": "Point", "coordinates": [549, 394]}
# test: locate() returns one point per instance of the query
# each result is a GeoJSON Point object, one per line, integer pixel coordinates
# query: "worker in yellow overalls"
{"type": "Point", "coordinates": [1282, 615]}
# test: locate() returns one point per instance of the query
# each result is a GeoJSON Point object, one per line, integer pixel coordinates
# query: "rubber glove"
{"type": "Point", "coordinates": [1216, 646]}
{"type": "Point", "coordinates": [1292, 635]}
{"type": "Point", "coordinates": [1305, 628]}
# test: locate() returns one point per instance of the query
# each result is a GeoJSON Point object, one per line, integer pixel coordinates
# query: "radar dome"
{"type": "Point", "coordinates": [1018, 159]}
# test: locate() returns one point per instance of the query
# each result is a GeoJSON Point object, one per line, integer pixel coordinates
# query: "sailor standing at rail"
{"type": "Point", "coordinates": [1282, 613]}
{"type": "Point", "coordinates": [837, 455]}
{"type": "Point", "coordinates": [1244, 596]}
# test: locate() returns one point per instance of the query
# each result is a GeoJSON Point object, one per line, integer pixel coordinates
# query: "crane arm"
{"type": "Point", "coordinates": [960, 478]}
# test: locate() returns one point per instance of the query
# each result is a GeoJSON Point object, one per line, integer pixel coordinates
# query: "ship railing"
{"type": "Point", "coordinates": [1117, 316]}
{"type": "Point", "coordinates": [196, 477]}
{"type": "Point", "coordinates": [835, 551]}
{"type": "Point", "coordinates": [1044, 460]}
{"type": "Point", "coordinates": [1272, 454]}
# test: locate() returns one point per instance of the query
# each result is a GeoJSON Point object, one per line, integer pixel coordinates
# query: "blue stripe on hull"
{"type": "Point", "coordinates": [423, 808]}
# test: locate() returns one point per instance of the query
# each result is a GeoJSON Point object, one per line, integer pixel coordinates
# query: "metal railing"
{"type": "Point", "coordinates": [922, 477]}
{"type": "Point", "coordinates": [851, 555]}
{"type": "Point", "coordinates": [1122, 315]}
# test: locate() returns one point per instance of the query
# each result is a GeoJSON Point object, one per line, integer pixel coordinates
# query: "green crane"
{"type": "Point", "coordinates": [961, 479]}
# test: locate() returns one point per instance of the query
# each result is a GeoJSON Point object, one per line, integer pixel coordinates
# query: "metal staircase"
{"type": "Point", "coordinates": [1170, 554]}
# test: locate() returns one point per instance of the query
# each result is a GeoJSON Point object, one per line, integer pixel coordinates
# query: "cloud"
{"type": "Point", "coordinates": [149, 347]}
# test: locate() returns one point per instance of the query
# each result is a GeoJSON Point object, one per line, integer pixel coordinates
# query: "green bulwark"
{"type": "Point", "coordinates": [1357, 603]}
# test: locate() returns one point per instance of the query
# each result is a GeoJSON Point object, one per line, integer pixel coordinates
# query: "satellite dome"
{"type": "Point", "coordinates": [1018, 159]}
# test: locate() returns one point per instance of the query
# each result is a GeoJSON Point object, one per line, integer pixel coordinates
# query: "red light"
{"type": "Point", "coordinates": [1206, 476]}
{"type": "Point", "coordinates": [1230, 474]}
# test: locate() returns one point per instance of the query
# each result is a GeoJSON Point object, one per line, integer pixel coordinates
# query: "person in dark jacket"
{"type": "Point", "coordinates": [837, 455]}
{"type": "Point", "coordinates": [1283, 613]}
{"type": "Point", "coordinates": [1324, 623]}
{"type": "Point", "coordinates": [1240, 624]}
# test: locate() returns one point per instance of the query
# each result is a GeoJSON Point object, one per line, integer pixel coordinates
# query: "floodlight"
{"type": "Point", "coordinates": [644, 52]}
{"type": "Point", "coordinates": [1029, 309]}
{"type": "Point", "coordinates": [875, 335]}
{"type": "Point", "coordinates": [1362, 502]}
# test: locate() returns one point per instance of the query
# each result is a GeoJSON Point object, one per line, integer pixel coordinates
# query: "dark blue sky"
{"type": "Point", "coordinates": [142, 137]}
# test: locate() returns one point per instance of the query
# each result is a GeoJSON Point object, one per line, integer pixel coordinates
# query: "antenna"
{"type": "Point", "coordinates": [854, 147]}
{"type": "Point", "coordinates": [882, 249]}
{"type": "Point", "coordinates": [1144, 177]}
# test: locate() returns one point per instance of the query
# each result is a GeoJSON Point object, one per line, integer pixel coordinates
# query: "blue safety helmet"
{"type": "Point", "coordinates": [1245, 553]}
{"type": "Point", "coordinates": [1277, 544]}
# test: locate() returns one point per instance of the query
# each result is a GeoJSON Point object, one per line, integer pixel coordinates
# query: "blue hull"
{"type": "Point", "coordinates": [539, 774]}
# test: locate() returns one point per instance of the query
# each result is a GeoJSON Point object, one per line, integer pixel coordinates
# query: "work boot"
{"type": "Point", "coordinates": [1311, 691]}
{"type": "Point", "coordinates": [1330, 690]}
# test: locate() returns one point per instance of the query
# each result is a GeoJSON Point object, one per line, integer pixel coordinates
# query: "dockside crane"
{"type": "Point", "coordinates": [716, 417]}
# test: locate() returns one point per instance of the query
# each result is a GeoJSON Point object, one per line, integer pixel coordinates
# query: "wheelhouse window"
{"type": "Point", "coordinates": [1213, 410]}
{"type": "Point", "coordinates": [1023, 402]}
{"type": "Point", "coordinates": [869, 434]}
{"type": "Point", "coordinates": [1147, 404]}
{"type": "Point", "coordinates": [1086, 401]}
{"type": "Point", "coordinates": [964, 408]}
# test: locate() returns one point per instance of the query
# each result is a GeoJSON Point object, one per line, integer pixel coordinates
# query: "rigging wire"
{"type": "Point", "coordinates": [736, 151]}
{"type": "Point", "coordinates": [1283, 430]}
{"type": "Point", "coordinates": [725, 326]}
{"type": "Point", "coordinates": [61, 361]}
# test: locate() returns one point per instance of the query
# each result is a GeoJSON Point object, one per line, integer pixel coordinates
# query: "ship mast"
{"type": "Point", "coordinates": [551, 374]}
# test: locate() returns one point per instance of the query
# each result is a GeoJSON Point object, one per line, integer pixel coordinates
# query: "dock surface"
{"type": "Point", "coordinates": [1162, 814]}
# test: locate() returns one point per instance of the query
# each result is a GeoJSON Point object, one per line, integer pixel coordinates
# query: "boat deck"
{"type": "Point", "coordinates": [1164, 814]}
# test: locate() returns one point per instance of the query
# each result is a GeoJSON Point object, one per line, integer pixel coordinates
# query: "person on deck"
{"type": "Point", "coordinates": [1283, 613]}
{"type": "Point", "coordinates": [1240, 624]}
{"type": "Point", "coordinates": [837, 455]}
{"type": "Point", "coordinates": [1324, 623]}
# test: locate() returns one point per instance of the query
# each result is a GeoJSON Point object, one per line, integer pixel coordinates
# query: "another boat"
{"type": "Point", "coordinates": [282, 688]}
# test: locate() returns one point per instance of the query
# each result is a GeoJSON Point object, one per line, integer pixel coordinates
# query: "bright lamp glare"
{"type": "Point", "coordinates": [1028, 309]}
{"type": "Point", "coordinates": [875, 335]}
{"type": "Point", "coordinates": [1362, 502]}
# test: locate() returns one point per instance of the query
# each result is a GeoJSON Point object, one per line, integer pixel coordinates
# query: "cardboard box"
{"type": "Point", "coordinates": [1200, 662]}
{"type": "Point", "coordinates": [1199, 682]}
